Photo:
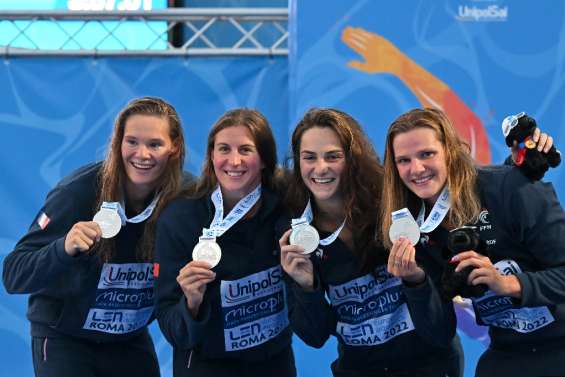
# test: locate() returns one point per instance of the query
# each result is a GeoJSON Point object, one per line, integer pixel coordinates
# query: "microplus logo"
{"type": "Point", "coordinates": [476, 14]}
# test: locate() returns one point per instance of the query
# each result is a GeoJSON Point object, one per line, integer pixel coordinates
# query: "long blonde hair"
{"type": "Point", "coordinates": [461, 171]}
{"type": "Point", "coordinates": [112, 174]}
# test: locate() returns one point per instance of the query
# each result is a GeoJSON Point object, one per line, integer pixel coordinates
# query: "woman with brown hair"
{"type": "Point", "coordinates": [220, 295]}
{"type": "Point", "coordinates": [87, 259]}
{"type": "Point", "coordinates": [380, 321]}
{"type": "Point", "coordinates": [429, 173]}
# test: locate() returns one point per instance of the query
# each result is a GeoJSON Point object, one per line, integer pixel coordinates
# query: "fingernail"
{"type": "Point", "coordinates": [454, 260]}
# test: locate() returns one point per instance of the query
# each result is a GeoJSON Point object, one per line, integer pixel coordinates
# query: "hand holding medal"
{"type": "Point", "coordinates": [296, 263]}
{"type": "Point", "coordinates": [82, 236]}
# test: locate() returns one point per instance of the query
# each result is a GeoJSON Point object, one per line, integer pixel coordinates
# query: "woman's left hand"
{"type": "Point", "coordinates": [543, 140]}
{"type": "Point", "coordinates": [486, 273]}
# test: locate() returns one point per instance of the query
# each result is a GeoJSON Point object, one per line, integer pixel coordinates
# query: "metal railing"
{"type": "Point", "coordinates": [178, 31]}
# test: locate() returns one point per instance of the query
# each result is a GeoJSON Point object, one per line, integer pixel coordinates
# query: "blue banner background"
{"type": "Point", "coordinates": [57, 113]}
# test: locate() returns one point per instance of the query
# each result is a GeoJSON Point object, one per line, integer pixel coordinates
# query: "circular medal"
{"type": "Point", "coordinates": [404, 227]}
{"type": "Point", "coordinates": [530, 144]}
{"type": "Point", "coordinates": [306, 236]}
{"type": "Point", "coordinates": [109, 222]}
{"type": "Point", "coordinates": [207, 251]}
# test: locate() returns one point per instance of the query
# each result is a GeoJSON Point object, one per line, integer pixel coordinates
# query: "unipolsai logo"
{"type": "Point", "coordinates": [488, 13]}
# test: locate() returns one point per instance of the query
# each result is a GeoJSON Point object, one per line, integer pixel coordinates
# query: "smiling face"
{"type": "Point", "coordinates": [420, 159]}
{"type": "Point", "coordinates": [236, 161]}
{"type": "Point", "coordinates": [322, 162]}
{"type": "Point", "coordinates": [146, 147]}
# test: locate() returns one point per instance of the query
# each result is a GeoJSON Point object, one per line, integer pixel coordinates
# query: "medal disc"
{"type": "Point", "coordinates": [530, 144]}
{"type": "Point", "coordinates": [109, 222]}
{"type": "Point", "coordinates": [404, 227]}
{"type": "Point", "coordinates": [207, 251]}
{"type": "Point", "coordinates": [306, 236]}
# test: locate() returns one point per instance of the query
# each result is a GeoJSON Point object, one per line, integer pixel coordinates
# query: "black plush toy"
{"type": "Point", "coordinates": [534, 164]}
{"type": "Point", "coordinates": [455, 283]}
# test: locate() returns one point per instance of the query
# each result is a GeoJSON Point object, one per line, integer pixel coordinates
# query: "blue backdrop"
{"type": "Point", "coordinates": [479, 60]}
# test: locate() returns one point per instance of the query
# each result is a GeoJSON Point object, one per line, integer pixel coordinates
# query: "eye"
{"type": "Point", "coordinates": [130, 142]}
{"type": "Point", "coordinates": [155, 144]}
{"type": "Point", "coordinates": [334, 156]}
{"type": "Point", "coordinates": [428, 154]}
{"type": "Point", "coordinates": [402, 161]}
{"type": "Point", "coordinates": [222, 148]}
{"type": "Point", "coordinates": [308, 157]}
{"type": "Point", "coordinates": [246, 150]}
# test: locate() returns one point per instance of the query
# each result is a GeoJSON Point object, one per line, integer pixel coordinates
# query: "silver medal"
{"type": "Point", "coordinates": [207, 251]}
{"type": "Point", "coordinates": [109, 222]}
{"type": "Point", "coordinates": [306, 236]}
{"type": "Point", "coordinates": [404, 227]}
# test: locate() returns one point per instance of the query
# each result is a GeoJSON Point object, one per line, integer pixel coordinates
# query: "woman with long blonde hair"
{"type": "Point", "coordinates": [429, 171]}
{"type": "Point", "coordinates": [87, 259]}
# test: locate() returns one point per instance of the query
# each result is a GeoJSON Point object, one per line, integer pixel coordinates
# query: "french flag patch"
{"type": "Point", "coordinates": [43, 220]}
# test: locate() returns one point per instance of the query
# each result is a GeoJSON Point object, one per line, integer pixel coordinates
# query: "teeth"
{"type": "Point", "coordinates": [234, 173]}
{"type": "Point", "coordinates": [141, 165]}
{"type": "Point", "coordinates": [422, 180]}
{"type": "Point", "coordinates": [322, 180]}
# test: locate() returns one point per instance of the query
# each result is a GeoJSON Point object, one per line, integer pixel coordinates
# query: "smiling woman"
{"type": "Point", "coordinates": [223, 305]}
{"type": "Point", "coordinates": [77, 265]}
{"type": "Point", "coordinates": [429, 174]}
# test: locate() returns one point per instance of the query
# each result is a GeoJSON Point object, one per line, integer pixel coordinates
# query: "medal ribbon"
{"type": "Point", "coordinates": [119, 208]}
{"type": "Point", "coordinates": [308, 216]}
{"type": "Point", "coordinates": [436, 216]}
{"type": "Point", "coordinates": [219, 224]}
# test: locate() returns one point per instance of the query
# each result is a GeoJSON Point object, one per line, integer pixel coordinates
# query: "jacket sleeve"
{"type": "Point", "coordinates": [434, 318]}
{"type": "Point", "coordinates": [172, 252]}
{"type": "Point", "coordinates": [39, 257]}
{"type": "Point", "coordinates": [539, 221]}
{"type": "Point", "coordinates": [310, 314]}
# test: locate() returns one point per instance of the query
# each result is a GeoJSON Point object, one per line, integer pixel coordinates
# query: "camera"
{"type": "Point", "coordinates": [455, 283]}
{"type": "Point", "coordinates": [462, 239]}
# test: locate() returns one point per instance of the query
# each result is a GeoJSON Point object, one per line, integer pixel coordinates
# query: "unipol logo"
{"type": "Point", "coordinates": [482, 14]}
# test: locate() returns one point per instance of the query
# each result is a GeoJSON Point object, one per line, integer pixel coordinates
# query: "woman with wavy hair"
{"type": "Point", "coordinates": [520, 225]}
{"type": "Point", "coordinates": [87, 259]}
{"type": "Point", "coordinates": [379, 320]}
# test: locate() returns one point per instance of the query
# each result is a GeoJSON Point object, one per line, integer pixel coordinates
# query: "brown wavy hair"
{"type": "Point", "coordinates": [112, 175]}
{"type": "Point", "coordinates": [461, 171]}
{"type": "Point", "coordinates": [361, 180]}
{"type": "Point", "coordinates": [263, 138]}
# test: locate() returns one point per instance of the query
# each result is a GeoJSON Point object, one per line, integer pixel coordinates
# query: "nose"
{"type": "Point", "coordinates": [321, 166]}
{"type": "Point", "coordinates": [143, 152]}
{"type": "Point", "coordinates": [416, 166]}
{"type": "Point", "coordinates": [235, 159]}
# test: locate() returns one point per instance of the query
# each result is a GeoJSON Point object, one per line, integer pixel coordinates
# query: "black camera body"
{"type": "Point", "coordinates": [455, 283]}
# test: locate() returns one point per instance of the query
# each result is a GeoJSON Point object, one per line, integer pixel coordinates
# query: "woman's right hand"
{"type": "Point", "coordinates": [193, 279]}
{"type": "Point", "coordinates": [296, 264]}
{"type": "Point", "coordinates": [82, 236]}
{"type": "Point", "coordinates": [402, 262]}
